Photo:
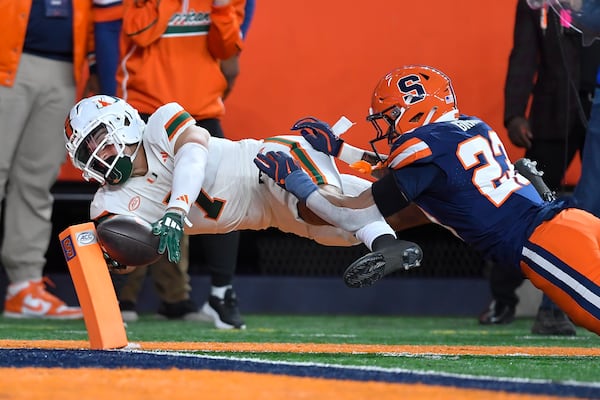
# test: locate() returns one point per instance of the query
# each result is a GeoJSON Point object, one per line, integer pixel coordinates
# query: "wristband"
{"type": "Point", "coordinates": [300, 184]}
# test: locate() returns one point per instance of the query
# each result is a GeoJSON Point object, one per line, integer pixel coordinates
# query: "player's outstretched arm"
{"type": "Point", "coordinates": [191, 157]}
{"type": "Point", "coordinates": [323, 138]}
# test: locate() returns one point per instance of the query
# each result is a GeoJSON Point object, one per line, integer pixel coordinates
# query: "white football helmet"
{"type": "Point", "coordinates": [98, 129]}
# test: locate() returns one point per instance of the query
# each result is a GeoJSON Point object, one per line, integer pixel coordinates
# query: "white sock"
{"type": "Point", "coordinates": [16, 287]}
{"type": "Point", "coordinates": [368, 233]}
{"type": "Point", "coordinates": [219, 291]}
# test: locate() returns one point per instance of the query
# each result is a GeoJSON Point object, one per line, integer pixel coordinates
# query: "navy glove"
{"type": "Point", "coordinates": [319, 135]}
{"type": "Point", "coordinates": [283, 169]}
{"type": "Point", "coordinates": [277, 165]}
{"type": "Point", "coordinates": [170, 230]}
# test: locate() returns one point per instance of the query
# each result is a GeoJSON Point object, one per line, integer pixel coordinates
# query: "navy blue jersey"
{"type": "Point", "coordinates": [458, 172]}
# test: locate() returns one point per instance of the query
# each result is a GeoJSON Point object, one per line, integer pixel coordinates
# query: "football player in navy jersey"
{"type": "Point", "coordinates": [456, 171]}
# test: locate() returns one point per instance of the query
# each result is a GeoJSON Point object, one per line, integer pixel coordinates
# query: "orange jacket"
{"type": "Point", "coordinates": [108, 10]}
{"type": "Point", "coordinates": [15, 16]}
{"type": "Point", "coordinates": [169, 53]}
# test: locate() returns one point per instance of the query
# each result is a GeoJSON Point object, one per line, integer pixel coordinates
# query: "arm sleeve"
{"type": "Point", "coordinates": [188, 175]}
{"type": "Point", "coordinates": [349, 219]}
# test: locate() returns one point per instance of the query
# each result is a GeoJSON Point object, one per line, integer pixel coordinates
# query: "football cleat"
{"type": "Point", "coordinates": [552, 322]}
{"type": "Point", "coordinates": [497, 313]}
{"type": "Point", "coordinates": [34, 301]}
{"type": "Point", "coordinates": [128, 311]}
{"type": "Point", "coordinates": [375, 265]}
{"type": "Point", "coordinates": [224, 313]}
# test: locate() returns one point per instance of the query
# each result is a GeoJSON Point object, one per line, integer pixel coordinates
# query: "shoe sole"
{"type": "Point", "coordinates": [372, 267]}
{"type": "Point", "coordinates": [9, 314]}
{"type": "Point", "coordinates": [365, 271]}
{"type": "Point", "coordinates": [213, 317]}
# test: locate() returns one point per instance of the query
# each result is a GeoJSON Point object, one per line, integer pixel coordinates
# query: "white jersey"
{"type": "Point", "coordinates": [234, 195]}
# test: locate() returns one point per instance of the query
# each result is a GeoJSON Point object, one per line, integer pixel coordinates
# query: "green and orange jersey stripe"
{"type": "Point", "coordinates": [178, 121]}
{"type": "Point", "coordinates": [300, 155]}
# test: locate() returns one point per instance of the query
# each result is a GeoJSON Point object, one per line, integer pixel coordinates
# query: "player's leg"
{"type": "Point", "coordinates": [172, 283]}
{"type": "Point", "coordinates": [561, 258]}
{"type": "Point", "coordinates": [504, 281]}
{"type": "Point", "coordinates": [587, 189]}
{"type": "Point", "coordinates": [389, 254]}
{"type": "Point", "coordinates": [129, 287]}
{"type": "Point", "coordinates": [220, 254]}
{"type": "Point", "coordinates": [34, 166]}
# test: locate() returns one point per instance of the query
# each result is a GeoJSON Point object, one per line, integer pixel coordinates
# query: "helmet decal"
{"type": "Point", "coordinates": [412, 89]}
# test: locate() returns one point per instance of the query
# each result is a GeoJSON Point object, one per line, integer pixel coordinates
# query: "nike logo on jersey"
{"type": "Point", "coordinates": [34, 306]}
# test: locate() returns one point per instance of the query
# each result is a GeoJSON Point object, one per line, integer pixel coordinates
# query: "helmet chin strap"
{"type": "Point", "coordinates": [123, 168]}
{"type": "Point", "coordinates": [121, 171]}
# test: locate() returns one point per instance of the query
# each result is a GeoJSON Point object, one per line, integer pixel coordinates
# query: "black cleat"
{"type": "Point", "coordinates": [224, 313]}
{"type": "Point", "coordinates": [497, 314]}
{"type": "Point", "coordinates": [374, 266]}
{"type": "Point", "coordinates": [553, 322]}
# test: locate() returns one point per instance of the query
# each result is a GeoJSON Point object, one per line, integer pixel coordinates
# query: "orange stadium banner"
{"type": "Point", "coordinates": [324, 58]}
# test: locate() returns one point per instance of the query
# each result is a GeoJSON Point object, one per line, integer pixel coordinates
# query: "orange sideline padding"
{"type": "Point", "coordinates": [94, 287]}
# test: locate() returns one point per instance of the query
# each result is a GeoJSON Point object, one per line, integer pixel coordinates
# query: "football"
{"type": "Point", "coordinates": [129, 240]}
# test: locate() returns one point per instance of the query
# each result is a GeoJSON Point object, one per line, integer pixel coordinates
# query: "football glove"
{"type": "Point", "coordinates": [170, 231]}
{"type": "Point", "coordinates": [277, 165]}
{"type": "Point", "coordinates": [319, 134]}
{"type": "Point", "coordinates": [283, 169]}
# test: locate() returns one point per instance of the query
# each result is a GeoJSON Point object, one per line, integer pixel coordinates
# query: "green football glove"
{"type": "Point", "coordinates": [170, 230]}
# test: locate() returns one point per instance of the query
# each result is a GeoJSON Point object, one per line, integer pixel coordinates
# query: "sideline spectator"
{"type": "Point", "coordinates": [549, 66]}
{"type": "Point", "coordinates": [43, 56]}
{"type": "Point", "coordinates": [108, 19]}
{"type": "Point", "coordinates": [157, 67]}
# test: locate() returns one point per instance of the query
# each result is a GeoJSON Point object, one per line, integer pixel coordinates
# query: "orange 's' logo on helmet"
{"type": "Point", "coordinates": [409, 97]}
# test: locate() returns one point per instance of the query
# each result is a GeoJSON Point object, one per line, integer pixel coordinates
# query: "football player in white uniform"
{"type": "Point", "coordinates": [174, 175]}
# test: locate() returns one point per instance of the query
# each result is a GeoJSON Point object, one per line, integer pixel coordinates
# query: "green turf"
{"type": "Point", "coordinates": [360, 330]}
